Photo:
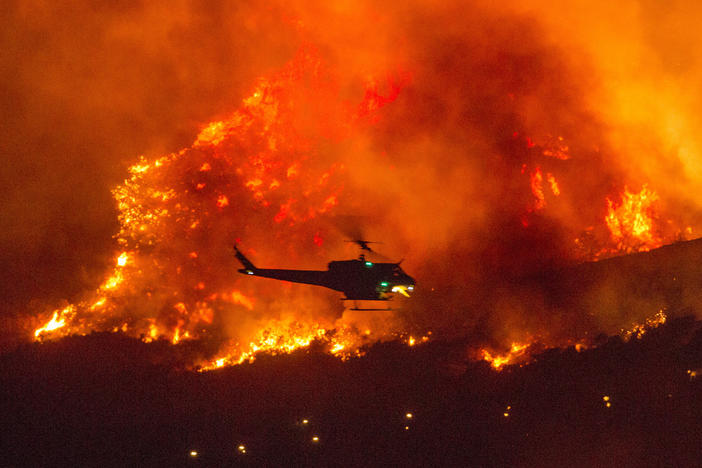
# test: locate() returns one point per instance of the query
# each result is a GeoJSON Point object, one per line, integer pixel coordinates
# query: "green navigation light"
{"type": "Point", "coordinates": [369, 264]}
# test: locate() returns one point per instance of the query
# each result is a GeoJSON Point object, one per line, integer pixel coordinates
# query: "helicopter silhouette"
{"type": "Point", "coordinates": [359, 279]}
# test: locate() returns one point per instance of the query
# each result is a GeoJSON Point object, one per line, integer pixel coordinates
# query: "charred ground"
{"type": "Point", "coordinates": [110, 399]}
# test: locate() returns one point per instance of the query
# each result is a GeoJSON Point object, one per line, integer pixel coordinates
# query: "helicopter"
{"type": "Point", "coordinates": [359, 280]}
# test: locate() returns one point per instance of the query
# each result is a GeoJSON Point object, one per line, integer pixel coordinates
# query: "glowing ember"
{"type": "Point", "coordinates": [411, 341]}
{"type": "Point", "coordinates": [222, 201]}
{"type": "Point", "coordinates": [556, 148]}
{"type": "Point", "coordinates": [638, 330]}
{"type": "Point", "coordinates": [253, 171]}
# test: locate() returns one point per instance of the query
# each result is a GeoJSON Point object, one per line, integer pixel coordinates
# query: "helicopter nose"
{"type": "Point", "coordinates": [405, 287]}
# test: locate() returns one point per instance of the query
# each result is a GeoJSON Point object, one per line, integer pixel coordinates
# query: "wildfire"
{"type": "Point", "coordinates": [57, 321]}
{"type": "Point", "coordinates": [537, 187]}
{"type": "Point", "coordinates": [516, 351]}
{"type": "Point", "coordinates": [631, 222]}
{"type": "Point", "coordinates": [411, 341]}
{"type": "Point", "coordinates": [257, 170]}
{"type": "Point", "coordinates": [283, 338]}
{"type": "Point", "coordinates": [638, 330]}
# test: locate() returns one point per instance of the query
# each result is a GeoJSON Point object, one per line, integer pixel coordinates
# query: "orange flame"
{"type": "Point", "coordinates": [631, 222]}
{"type": "Point", "coordinates": [57, 321]}
{"type": "Point", "coordinates": [517, 350]}
{"type": "Point", "coordinates": [162, 287]}
{"type": "Point", "coordinates": [640, 329]}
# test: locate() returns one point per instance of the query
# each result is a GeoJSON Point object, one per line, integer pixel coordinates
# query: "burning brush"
{"type": "Point", "coordinates": [257, 171]}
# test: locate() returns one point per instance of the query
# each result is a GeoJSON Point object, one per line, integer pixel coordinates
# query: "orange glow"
{"type": "Point", "coordinates": [166, 217]}
{"type": "Point", "coordinates": [556, 148]}
{"type": "Point", "coordinates": [411, 341]}
{"type": "Point", "coordinates": [275, 339]}
{"type": "Point", "coordinates": [640, 329]}
{"type": "Point", "coordinates": [286, 337]}
{"type": "Point", "coordinates": [390, 138]}
{"type": "Point", "coordinates": [113, 281]}
{"type": "Point", "coordinates": [537, 187]}
{"type": "Point", "coordinates": [553, 183]}
{"type": "Point", "coordinates": [122, 259]}
{"type": "Point", "coordinates": [176, 336]}
{"type": "Point", "coordinates": [630, 222]}
{"type": "Point", "coordinates": [213, 134]}
{"type": "Point", "coordinates": [222, 201]}
{"type": "Point", "coordinates": [516, 351]}
{"type": "Point", "coordinates": [58, 320]}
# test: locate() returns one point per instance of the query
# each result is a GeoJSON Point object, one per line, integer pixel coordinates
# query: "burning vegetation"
{"type": "Point", "coordinates": [536, 165]}
{"type": "Point", "coordinates": [180, 214]}
{"type": "Point", "coordinates": [475, 155]}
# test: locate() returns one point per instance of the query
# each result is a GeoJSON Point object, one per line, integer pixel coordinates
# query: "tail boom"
{"type": "Point", "coordinates": [249, 268]}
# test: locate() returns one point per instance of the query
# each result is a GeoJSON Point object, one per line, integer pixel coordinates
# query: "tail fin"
{"type": "Point", "coordinates": [249, 267]}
